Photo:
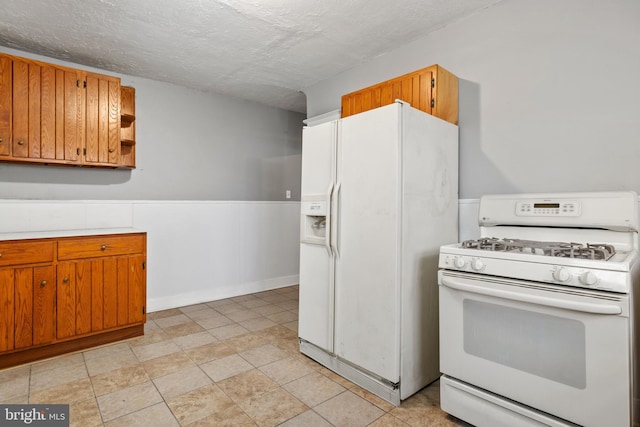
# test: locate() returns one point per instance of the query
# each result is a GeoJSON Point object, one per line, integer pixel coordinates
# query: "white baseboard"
{"type": "Point", "coordinates": [218, 293]}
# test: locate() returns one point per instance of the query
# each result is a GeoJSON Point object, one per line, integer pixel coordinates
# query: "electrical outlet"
{"type": "Point", "coordinates": [288, 194]}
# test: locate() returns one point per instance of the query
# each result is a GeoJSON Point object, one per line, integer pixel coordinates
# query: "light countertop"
{"type": "Point", "coordinates": [66, 233]}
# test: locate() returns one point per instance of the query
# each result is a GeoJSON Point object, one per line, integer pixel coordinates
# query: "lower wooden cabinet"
{"type": "Point", "coordinates": [86, 291]}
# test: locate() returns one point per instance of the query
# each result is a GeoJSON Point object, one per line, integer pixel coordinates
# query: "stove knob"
{"type": "Point", "coordinates": [561, 275]}
{"type": "Point", "coordinates": [477, 264]}
{"type": "Point", "coordinates": [588, 278]}
{"type": "Point", "coordinates": [459, 262]}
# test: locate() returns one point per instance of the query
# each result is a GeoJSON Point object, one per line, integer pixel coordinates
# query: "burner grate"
{"type": "Point", "coordinates": [597, 251]}
{"type": "Point", "coordinates": [591, 251]}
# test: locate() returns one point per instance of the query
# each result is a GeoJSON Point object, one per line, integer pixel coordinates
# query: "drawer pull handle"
{"type": "Point", "coordinates": [21, 142]}
{"type": "Point", "coordinates": [65, 280]}
{"type": "Point", "coordinates": [111, 150]}
{"type": "Point", "coordinates": [0, 139]}
{"type": "Point", "coordinates": [43, 284]}
{"type": "Point", "coordinates": [103, 247]}
{"type": "Point", "coordinates": [0, 255]}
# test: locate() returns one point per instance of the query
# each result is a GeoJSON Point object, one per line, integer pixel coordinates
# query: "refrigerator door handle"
{"type": "Point", "coordinates": [335, 232]}
{"type": "Point", "coordinates": [327, 239]}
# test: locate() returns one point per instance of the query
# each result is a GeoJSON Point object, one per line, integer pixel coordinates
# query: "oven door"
{"type": "Point", "coordinates": [558, 350]}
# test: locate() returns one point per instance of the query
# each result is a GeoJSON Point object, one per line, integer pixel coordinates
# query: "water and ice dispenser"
{"type": "Point", "coordinates": [314, 220]}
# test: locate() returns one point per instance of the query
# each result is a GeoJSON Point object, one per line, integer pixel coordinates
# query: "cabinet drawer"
{"type": "Point", "coordinates": [13, 253]}
{"type": "Point", "coordinates": [100, 246]}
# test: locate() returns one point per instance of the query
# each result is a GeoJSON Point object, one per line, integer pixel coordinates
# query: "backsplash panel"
{"type": "Point", "coordinates": [32, 215]}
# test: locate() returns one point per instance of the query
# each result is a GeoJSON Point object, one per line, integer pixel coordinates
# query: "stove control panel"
{"type": "Point", "coordinates": [561, 275]}
{"type": "Point", "coordinates": [578, 277]}
{"type": "Point", "coordinates": [548, 208]}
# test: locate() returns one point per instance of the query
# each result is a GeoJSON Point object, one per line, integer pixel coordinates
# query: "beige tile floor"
{"type": "Point", "coordinates": [232, 362]}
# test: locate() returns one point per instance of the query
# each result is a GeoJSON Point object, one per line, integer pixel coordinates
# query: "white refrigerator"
{"type": "Point", "coordinates": [379, 197]}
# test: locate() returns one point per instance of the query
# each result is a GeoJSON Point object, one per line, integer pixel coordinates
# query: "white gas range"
{"type": "Point", "coordinates": [537, 316]}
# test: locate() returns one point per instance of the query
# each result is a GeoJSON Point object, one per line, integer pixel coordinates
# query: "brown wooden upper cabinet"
{"type": "Point", "coordinates": [57, 115]}
{"type": "Point", "coordinates": [433, 90]}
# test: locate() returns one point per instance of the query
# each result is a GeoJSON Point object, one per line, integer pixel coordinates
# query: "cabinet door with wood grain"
{"type": "Point", "coordinates": [7, 309]}
{"type": "Point", "coordinates": [46, 112]}
{"type": "Point", "coordinates": [94, 295]}
{"type": "Point", "coordinates": [66, 300]}
{"type": "Point", "coordinates": [137, 289]}
{"type": "Point", "coordinates": [44, 305]}
{"type": "Point", "coordinates": [130, 287]}
{"type": "Point", "coordinates": [68, 116]}
{"type": "Point", "coordinates": [34, 305]}
{"type": "Point", "coordinates": [131, 290]}
{"type": "Point", "coordinates": [26, 84]}
{"type": "Point", "coordinates": [74, 299]}
{"type": "Point", "coordinates": [87, 296]}
{"type": "Point", "coordinates": [6, 105]}
{"type": "Point", "coordinates": [23, 307]}
{"type": "Point", "coordinates": [102, 119]}
{"type": "Point", "coordinates": [117, 291]}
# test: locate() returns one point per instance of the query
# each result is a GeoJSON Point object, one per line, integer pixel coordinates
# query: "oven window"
{"type": "Point", "coordinates": [551, 347]}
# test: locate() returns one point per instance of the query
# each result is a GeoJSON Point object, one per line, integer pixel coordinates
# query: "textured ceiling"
{"type": "Point", "coordinates": [265, 51]}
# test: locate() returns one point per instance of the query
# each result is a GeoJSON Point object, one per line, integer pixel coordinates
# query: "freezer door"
{"type": "Point", "coordinates": [315, 321]}
{"type": "Point", "coordinates": [316, 318]}
{"type": "Point", "coordinates": [366, 242]}
{"type": "Point", "coordinates": [318, 153]}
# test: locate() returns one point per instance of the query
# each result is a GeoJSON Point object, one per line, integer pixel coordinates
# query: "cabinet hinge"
{"type": "Point", "coordinates": [143, 310]}
{"type": "Point", "coordinates": [433, 103]}
{"type": "Point", "coordinates": [84, 84]}
{"type": "Point", "coordinates": [433, 82]}
{"type": "Point", "coordinates": [144, 265]}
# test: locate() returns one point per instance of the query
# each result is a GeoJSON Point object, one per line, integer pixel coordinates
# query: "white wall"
{"type": "Point", "coordinates": [190, 146]}
{"type": "Point", "coordinates": [548, 94]}
{"type": "Point", "coordinates": [196, 250]}
{"type": "Point", "coordinates": [204, 251]}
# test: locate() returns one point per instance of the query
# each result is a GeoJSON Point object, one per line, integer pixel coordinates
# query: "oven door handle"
{"type": "Point", "coordinates": [532, 299]}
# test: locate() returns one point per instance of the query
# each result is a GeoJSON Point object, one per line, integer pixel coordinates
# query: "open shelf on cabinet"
{"type": "Point", "coordinates": [127, 127]}
{"type": "Point", "coordinates": [127, 119]}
